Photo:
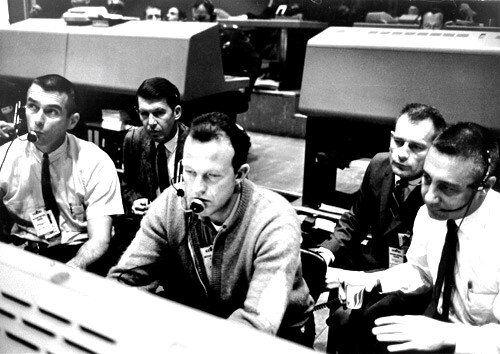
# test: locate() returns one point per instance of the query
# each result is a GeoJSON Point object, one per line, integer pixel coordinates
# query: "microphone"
{"type": "Point", "coordinates": [197, 205]}
{"type": "Point", "coordinates": [32, 137]}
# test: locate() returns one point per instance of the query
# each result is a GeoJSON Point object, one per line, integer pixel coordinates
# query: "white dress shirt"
{"type": "Point", "coordinates": [170, 147]}
{"type": "Point", "coordinates": [475, 301]}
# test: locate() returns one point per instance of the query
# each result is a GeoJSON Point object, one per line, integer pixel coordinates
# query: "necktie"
{"type": "Point", "coordinates": [446, 274]}
{"type": "Point", "coordinates": [400, 190]}
{"type": "Point", "coordinates": [398, 196]}
{"type": "Point", "coordinates": [162, 167]}
{"type": "Point", "coordinates": [47, 193]}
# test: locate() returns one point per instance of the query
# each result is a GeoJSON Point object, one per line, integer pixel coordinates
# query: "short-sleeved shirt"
{"type": "Point", "coordinates": [83, 179]}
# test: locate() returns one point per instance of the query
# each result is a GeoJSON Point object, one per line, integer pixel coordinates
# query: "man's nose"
{"type": "Point", "coordinates": [199, 186]}
{"type": "Point", "coordinates": [151, 120]}
{"type": "Point", "coordinates": [430, 195]}
{"type": "Point", "coordinates": [402, 152]}
{"type": "Point", "coordinates": [38, 118]}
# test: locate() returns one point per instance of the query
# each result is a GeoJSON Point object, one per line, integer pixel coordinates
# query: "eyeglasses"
{"type": "Point", "coordinates": [49, 112]}
{"type": "Point", "coordinates": [158, 113]}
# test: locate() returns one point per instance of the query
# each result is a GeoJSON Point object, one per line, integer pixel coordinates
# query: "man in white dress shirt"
{"type": "Point", "coordinates": [456, 186]}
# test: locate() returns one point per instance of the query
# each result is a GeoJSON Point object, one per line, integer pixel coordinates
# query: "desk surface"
{"type": "Point", "coordinates": [276, 23]}
{"type": "Point", "coordinates": [472, 28]}
{"type": "Point", "coordinates": [386, 25]}
{"type": "Point", "coordinates": [50, 307]}
{"type": "Point", "coordinates": [417, 26]}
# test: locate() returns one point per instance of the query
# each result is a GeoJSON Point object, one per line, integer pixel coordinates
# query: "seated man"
{"type": "Point", "coordinates": [57, 192]}
{"type": "Point", "coordinates": [151, 153]}
{"type": "Point", "coordinates": [175, 14]}
{"type": "Point", "coordinates": [219, 243]}
{"type": "Point", "coordinates": [376, 232]}
{"type": "Point", "coordinates": [203, 11]}
{"type": "Point", "coordinates": [433, 19]}
{"type": "Point", "coordinates": [152, 13]}
{"type": "Point", "coordinates": [455, 243]}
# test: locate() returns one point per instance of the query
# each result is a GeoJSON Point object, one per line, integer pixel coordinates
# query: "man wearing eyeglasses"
{"type": "Point", "coordinates": [57, 192]}
{"type": "Point", "coordinates": [151, 153]}
{"type": "Point", "coordinates": [376, 232]}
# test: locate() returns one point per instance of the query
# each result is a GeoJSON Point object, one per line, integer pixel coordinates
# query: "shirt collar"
{"type": "Point", "coordinates": [171, 145]}
{"type": "Point", "coordinates": [54, 155]}
{"type": "Point", "coordinates": [471, 222]}
{"type": "Point", "coordinates": [411, 183]}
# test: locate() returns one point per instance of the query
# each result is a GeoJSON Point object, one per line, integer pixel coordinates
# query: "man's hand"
{"type": "Point", "coordinates": [413, 333]}
{"type": "Point", "coordinates": [6, 129]}
{"type": "Point", "coordinates": [325, 253]}
{"type": "Point", "coordinates": [335, 276]}
{"type": "Point", "coordinates": [140, 206]}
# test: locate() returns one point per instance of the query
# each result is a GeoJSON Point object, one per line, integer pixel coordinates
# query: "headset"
{"type": "Point", "coordinates": [197, 206]}
{"type": "Point", "coordinates": [487, 161]}
{"type": "Point", "coordinates": [32, 137]}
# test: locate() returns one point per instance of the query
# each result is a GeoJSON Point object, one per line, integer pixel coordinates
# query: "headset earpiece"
{"type": "Point", "coordinates": [484, 181]}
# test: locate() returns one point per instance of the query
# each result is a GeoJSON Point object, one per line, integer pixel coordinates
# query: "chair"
{"type": "Point", "coordinates": [314, 273]}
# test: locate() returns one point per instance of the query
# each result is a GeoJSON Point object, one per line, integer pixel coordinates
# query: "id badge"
{"type": "Point", "coordinates": [404, 240]}
{"type": "Point", "coordinates": [44, 223]}
{"type": "Point", "coordinates": [396, 256]}
{"type": "Point", "coordinates": [206, 254]}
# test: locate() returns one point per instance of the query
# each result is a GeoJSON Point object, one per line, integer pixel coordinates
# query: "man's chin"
{"type": "Point", "coordinates": [402, 173]}
{"type": "Point", "coordinates": [437, 215]}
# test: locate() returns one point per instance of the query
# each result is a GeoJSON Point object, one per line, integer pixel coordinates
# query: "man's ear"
{"type": "Point", "coordinates": [490, 182]}
{"type": "Point", "coordinates": [73, 120]}
{"type": "Point", "coordinates": [177, 112]}
{"type": "Point", "coordinates": [242, 172]}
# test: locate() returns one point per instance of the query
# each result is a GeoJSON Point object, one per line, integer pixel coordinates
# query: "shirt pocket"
{"type": "Point", "coordinates": [481, 306]}
{"type": "Point", "coordinates": [77, 212]}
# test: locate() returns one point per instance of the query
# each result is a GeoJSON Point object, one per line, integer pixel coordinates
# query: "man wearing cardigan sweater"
{"type": "Point", "coordinates": [237, 258]}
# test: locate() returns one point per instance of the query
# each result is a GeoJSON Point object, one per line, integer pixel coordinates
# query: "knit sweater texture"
{"type": "Point", "coordinates": [256, 268]}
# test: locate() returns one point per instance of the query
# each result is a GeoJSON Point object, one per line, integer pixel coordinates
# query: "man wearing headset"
{"type": "Point", "coordinates": [58, 192]}
{"type": "Point", "coordinates": [457, 191]}
{"type": "Point", "coordinates": [219, 243]}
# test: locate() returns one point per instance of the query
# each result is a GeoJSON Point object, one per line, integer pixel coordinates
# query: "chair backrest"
{"type": "Point", "coordinates": [314, 271]}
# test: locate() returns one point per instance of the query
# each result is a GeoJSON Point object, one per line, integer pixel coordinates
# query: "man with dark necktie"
{"type": "Point", "coordinates": [375, 233]}
{"type": "Point", "coordinates": [454, 251]}
{"type": "Point", "coordinates": [151, 153]}
{"type": "Point", "coordinates": [57, 192]}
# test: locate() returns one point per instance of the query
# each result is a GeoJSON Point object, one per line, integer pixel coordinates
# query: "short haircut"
{"type": "Point", "coordinates": [149, 7]}
{"type": "Point", "coordinates": [181, 14]}
{"type": "Point", "coordinates": [208, 6]}
{"type": "Point", "coordinates": [57, 83]}
{"type": "Point", "coordinates": [418, 112]}
{"type": "Point", "coordinates": [158, 88]}
{"type": "Point", "coordinates": [216, 125]}
{"type": "Point", "coordinates": [470, 141]}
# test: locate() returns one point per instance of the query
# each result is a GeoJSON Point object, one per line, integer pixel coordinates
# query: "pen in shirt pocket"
{"type": "Point", "coordinates": [469, 289]}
